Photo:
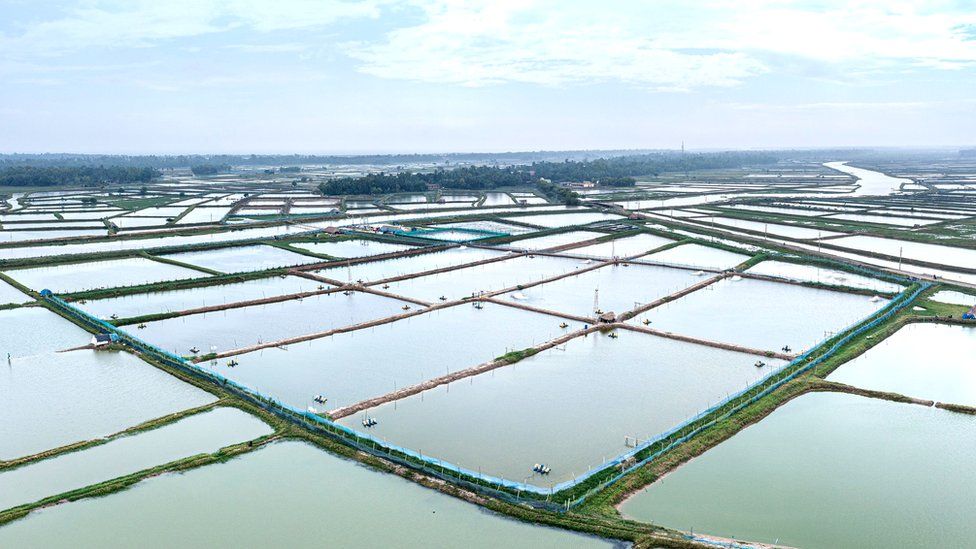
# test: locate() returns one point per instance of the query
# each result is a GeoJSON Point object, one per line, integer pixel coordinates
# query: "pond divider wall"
{"type": "Point", "coordinates": [552, 498]}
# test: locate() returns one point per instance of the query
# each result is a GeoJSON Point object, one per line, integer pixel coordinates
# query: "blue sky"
{"type": "Point", "coordinates": [329, 76]}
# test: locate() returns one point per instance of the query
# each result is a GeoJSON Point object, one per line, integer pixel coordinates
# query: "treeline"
{"type": "Point", "coordinates": [618, 172]}
{"type": "Point", "coordinates": [556, 193]}
{"type": "Point", "coordinates": [209, 169]}
{"type": "Point", "coordinates": [85, 176]}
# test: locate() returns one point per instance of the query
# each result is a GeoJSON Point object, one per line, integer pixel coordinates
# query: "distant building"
{"type": "Point", "coordinates": [101, 340]}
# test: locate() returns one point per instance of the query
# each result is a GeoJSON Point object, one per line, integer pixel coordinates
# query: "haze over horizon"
{"type": "Point", "coordinates": [426, 76]}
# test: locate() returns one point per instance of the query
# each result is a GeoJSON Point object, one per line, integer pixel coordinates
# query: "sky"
{"type": "Point", "coordinates": [381, 76]}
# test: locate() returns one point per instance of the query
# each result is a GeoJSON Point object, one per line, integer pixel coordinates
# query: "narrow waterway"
{"type": "Point", "coordinates": [871, 182]}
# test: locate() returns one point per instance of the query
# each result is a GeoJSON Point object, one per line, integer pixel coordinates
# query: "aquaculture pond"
{"type": "Point", "coordinates": [349, 367]}
{"type": "Point", "coordinates": [53, 399]}
{"type": "Point", "coordinates": [205, 432]}
{"type": "Point", "coordinates": [9, 294]}
{"type": "Point", "coordinates": [497, 199]}
{"type": "Point", "coordinates": [373, 271]}
{"type": "Point", "coordinates": [932, 253]}
{"type": "Point", "coordinates": [22, 236]}
{"type": "Point", "coordinates": [567, 219]}
{"type": "Point", "coordinates": [192, 298]}
{"type": "Point", "coordinates": [904, 363]}
{"type": "Point", "coordinates": [696, 255]}
{"type": "Point", "coordinates": [112, 273]}
{"type": "Point", "coordinates": [954, 298]}
{"type": "Point", "coordinates": [763, 315]}
{"type": "Point", "coordinates": [33, 330]}
{"type": "Point", "coordinates": [624, 247]}
{"type": "Point", "coordinates": [885, 219]}
{"type": "Point", "coordinates": [568, 407]}
{"type": "Point", "coordinates": [613, 288]}
{"type": "Point", "coordinates": [235, 328]}
{"type": "Point", "coordinates": [244, 258]}
{"type": "Point", "coordinates": [829, 470]}
{"type": "Point", "coordinates": [554, 240]}
{"type": "Point", "coordinates": [498, 275]}
{"type": "Point", "coordinates": [352, 248]}
{"type": "Point", "coordinates": [771, 229]}
{"type": "Point", "coordinates": [286, 494]}
{"type": "Point", "coordinates": [814, 273]}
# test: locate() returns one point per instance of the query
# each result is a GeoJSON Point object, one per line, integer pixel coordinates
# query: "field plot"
{"type": "Point", "coordinates": [696, 255]}
{"type": "Point", "coordinates": [762, 315]}
{"type": "Point", "coordinates": [902, 364]}
{"type": "Point", "coordinates": [499, 275]}
{"type": "Point", "coordinates": [287, 493]}
{"type": "Point", "coordinates": [76, 277]}
{"type": "Point", "coordinates": [118, 389]}
{"type": "Point", "coordinates": [388, 268]}
{"type": "Point", "coordinates": [32, 330]}
{"type": "Point", "coordinates": [568, 407]}
{"type": "Point", "coordinates": [349, 367]}
{"type": "Point", "coordinates": [193, 298]}
{"type": "Point", "coordinates": [813, 273]}
{"type": "Point", "coordinates": [241, 327]}
{"type": "Point", "coordinates": [243, 258]}
{"type": "Point", "coordinates": [204, 432]}
{"type": "Point", "coordinates": [613, 288]}
{"type": "Point", "coordinates": [906, 460]}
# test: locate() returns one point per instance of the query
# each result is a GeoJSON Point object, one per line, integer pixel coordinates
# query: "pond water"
{"type": "Point", "coordinates": [497, 199]}
{"type": "Point", "coordinates": [349, 367]}
{"type": "Point", "coordinates": [954, 298]}
{"type": "Point", "coordinates": [133, 222]}
{"type": "Point", "coordinates": [286, 494]}
{"type": "Point", "coordinates": [21, 236]}
{"type": "Point", "coordinates": [624, 247]}
{"type": "Point", "coordinates": [31, 330]}
{"type": "Point", "coordinates": [565, 220]}
{"type": "Point", "coordinates": [192, 298]}
{"type": "Point", "coordinates": [885, 219]}
{"type": "Point", "coordinates": [494, 276]}
{"type": "Point", "coordinates": [829, 470]}
{"type": "Point", "coordinates": [352, 248]}
{"type": "Point", "coordinates": [771, 229]}
{"type": "Point", "coordinates": [205, 432]}
{"type": "Point", "coordinates": [762, 315]}
{"type": "Point", "coordinates": [377, 270]}
{"type": "Point", "coordinates": [204, 214]}
{"type": "Point", "coordinates": [112, 273]}
{"type": "Point", "coordinates": [567, 407]}
{"type": "Point", "coordinates": [932, 253]}
{"type": "Point", "coordinates": [236, 328]}
{"type": "Point", "coordinates": [553, 240]}
{"type": "Point", "coordinates": [696, 255]}
{"type": "Point", "coordinates": [620, 288]}
{"type": "Point", "coordinates": [493, 226]}
{"type": "Point", "coordinates": [9, 294]}
{"type": "Point", "coordinates": [243, 258]}
{"type": "Point", "coordinates": [813, 273]}
{"type": "Point", "coordinates": [930, 361]}
{"type": "Point", "coordinates": [53, 399]}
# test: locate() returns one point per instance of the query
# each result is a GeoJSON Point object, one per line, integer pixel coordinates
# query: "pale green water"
{"type": "Point", "coordinates": [929, 361]}
{"type": "Point", "coordinates": [32, 330]}
{"type": "Point", "coordinates": [352, 248]}
{"type": "Point", "coordinates": [181, 300]}
{"type": "Point", "coordinates": [53, 399]}
{"type": "Point", "coordinates": [813, 273]}
{"type": "Point", "coordinates": [553, 240]}
{"type": "Point", "coordinates": [243, 258]}
{"type": "Point", "coordinates": [696, 255]}
{"type": "Point", "coordinates": [388, 268]}
{"type": "Point", "coordinates": [349, 367]}
{"type": "Point", "coordinates": [568, 407]}
{"type": "Point", "coordinates": [288, 494]}
{"type": "Point", "coordinates": [206, 432]}
{"type": "Point", "coordinates": [498, 275]}
{"type": "Point", "coordinates": [235, 328]}
{"type": "Point", "coordinates": [9, 294]}
{"type": "Point", "coordinates": [624, 247]}
{"type": "Point", "coordinates": [620, 287]}
{"type": "Point", "coordinates": [830, 470]}
{"type": "Point", "coordinates": [112, 273]}
{"type": "Point", "coordinates": [762, 315]}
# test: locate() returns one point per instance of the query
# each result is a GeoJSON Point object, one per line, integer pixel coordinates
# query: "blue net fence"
{"type": "Point", "coordinates": [553, 497]}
